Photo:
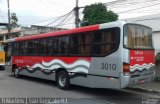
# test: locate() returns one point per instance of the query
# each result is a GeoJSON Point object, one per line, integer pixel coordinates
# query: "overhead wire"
{"type": "Point", "coordinates": [138, 8]}
{"type": "Point", "coordinates": [139, 5]}
{"type": "Point", "coordinates": [147, 19]}
{"type": "Point", "coordinates": [129, 2]}
{"type": "Point", "coordinates": [50, 19]}
{"type": "Point", "coordinates": [63, 22]}
{"type": "Point", "coordinates": [64, 16]}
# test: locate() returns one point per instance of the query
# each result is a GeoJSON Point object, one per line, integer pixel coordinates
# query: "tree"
{"type": "Point", "coordinates": [14, 20]}
{"type": "Point", "coordinates": [96, 14]}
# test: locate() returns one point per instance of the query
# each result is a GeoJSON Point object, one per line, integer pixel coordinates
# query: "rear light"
{"type": "Point", "coordinates": [126, 69]}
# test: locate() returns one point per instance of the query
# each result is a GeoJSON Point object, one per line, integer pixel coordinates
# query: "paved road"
{"type": "Point", "coordinates": [26, 87]}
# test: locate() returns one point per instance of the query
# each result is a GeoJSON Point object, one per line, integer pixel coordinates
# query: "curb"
{"type": "Point", "coordinates": [140, 89]}
{"type": "Point", "coordinates": [157, 79]}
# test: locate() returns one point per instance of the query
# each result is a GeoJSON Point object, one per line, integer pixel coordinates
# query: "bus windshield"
{"type": "Point", "coordinates": [137, 36]}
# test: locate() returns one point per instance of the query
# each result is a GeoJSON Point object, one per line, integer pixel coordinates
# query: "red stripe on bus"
{"type": "Point", "coordinates": [63, 32]}
{"type": "Point", "coordinates": [31, 60]}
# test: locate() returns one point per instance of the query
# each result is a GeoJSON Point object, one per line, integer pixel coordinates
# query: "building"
{"type": "Point", "coordinates": [2, 25]}
{"type": "Point", "coordinates": [152, 21]}
{"type": "Point", "coordinates": [25, 31]}
{"type": "Point", "coordinates": [13, 33]}
{"type": "Point", "coordinates": [38, 30]}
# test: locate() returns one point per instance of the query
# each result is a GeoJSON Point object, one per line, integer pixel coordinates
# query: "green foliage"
{"type": "Point", "coordinates": [96, 14]}
{"type": "Point", "coordinates": [14, 20]}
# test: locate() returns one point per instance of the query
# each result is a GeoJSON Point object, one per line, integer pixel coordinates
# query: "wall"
{"type": "Point", "coordinates": [156, 41]}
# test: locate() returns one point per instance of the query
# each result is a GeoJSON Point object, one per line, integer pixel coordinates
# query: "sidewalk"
{"type": "Point", "coordinates": [151, 86]}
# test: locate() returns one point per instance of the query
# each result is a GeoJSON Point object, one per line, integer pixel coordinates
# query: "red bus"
{"type": "Point", "coordinates": [111, 55]}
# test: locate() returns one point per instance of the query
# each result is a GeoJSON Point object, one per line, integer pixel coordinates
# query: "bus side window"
{"type": "Point", "coordinates": [55, 46]}
{"type": "Point", "coordinates": [46, 46]}
{"type": "Point", "coordinates": [108, 40]}
{"type": "Point", "coordinates": [49, 46]}
{"type": "Point", "coordinates": [64, 44]}
{"type": "Point", "coordinates": [31, 47]}
{"type": "Point", "coordinates": [40, 52]}
{"type": "Point", "coordinates": [15, 48]}
{"type": "Point", "coordinates": [75, 42]}
{"type": "Point", "coordinates": [97, 43]}
{"type": "Point", "coordinates": [85, 43]}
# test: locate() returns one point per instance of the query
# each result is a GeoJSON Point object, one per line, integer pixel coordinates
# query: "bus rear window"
{"type": "Point", "coordinates": [137, 37]}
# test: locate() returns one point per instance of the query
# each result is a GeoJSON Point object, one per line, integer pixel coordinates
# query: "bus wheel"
{"type": "Point", "coordinates": [16, 72]}
{"type": "Point", "coordinates": [63, 80]}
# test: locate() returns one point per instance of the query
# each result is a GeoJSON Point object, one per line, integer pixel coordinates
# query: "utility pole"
{"type": "Point", "coordinates": [9, 24]}
{"type": "Point", "coordinates": [76, 14]}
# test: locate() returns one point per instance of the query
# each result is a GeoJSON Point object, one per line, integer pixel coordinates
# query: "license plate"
{"type": "Point", "coordinates": [141, 81]}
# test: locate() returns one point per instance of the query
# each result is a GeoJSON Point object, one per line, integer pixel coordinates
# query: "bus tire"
{"type": "Point", "coordinates": [2, 68]}
{"type": "Point", "coordinates": [63, 81]}
{"type": "Point", "coordinates": [16, 72]}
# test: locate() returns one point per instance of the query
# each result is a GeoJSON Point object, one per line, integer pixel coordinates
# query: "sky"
{"type": "Point", "coordinates": [33, 11]}
{"type": "Point", "coordinates": [30, 11]}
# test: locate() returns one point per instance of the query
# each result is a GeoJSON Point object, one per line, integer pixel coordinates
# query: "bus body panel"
{"type": "Point", "coordinates": [106, 66]}
{"type": "Point", "coordinates": [106, 82]}
{"type": "Point", "coordinates": [105, 71]}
